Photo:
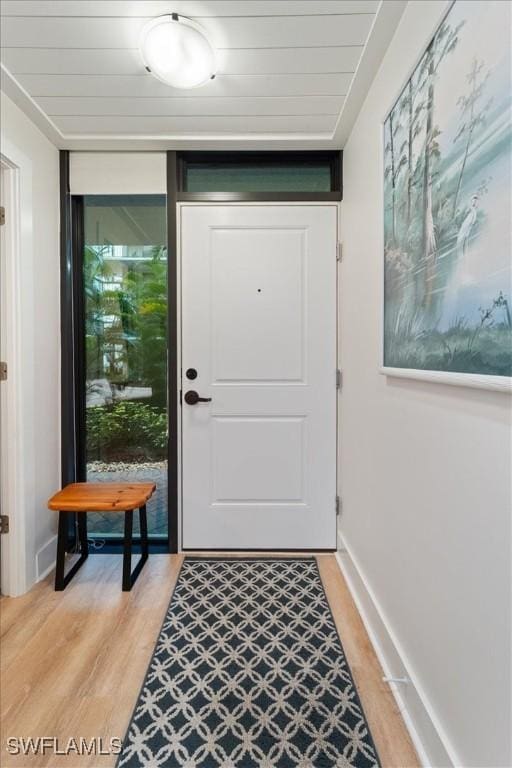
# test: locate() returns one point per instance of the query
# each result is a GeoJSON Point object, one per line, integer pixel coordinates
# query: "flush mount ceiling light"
{"type": "Point", "coordinates": [176, 50]}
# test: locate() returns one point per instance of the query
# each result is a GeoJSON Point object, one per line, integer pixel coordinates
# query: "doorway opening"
{"type": "Point", "coordinates": [13, 453]}
{"type": "Point", "coordinates": [3, 364]}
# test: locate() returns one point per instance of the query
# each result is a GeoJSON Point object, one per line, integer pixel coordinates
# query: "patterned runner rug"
{"type": "Point", "coordinates": [248, 672]}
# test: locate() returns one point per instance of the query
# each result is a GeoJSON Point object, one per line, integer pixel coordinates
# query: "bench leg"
{"type": "Point", "coordinates": [130, 577]}
{"type": "Point", "coordinates": [61, 580]}
{"type": "Point", "coordinates": [144, 532]}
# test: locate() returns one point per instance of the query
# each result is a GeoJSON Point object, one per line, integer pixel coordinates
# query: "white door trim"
{"type": "Point", "coordinates": [14, 552]}
{"type": "Point", "coordinates": [179, 206]}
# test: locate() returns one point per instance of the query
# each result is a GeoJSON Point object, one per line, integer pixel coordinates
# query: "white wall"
{"type": "Point", "coordinates": [36, 370]}
{"type": "Point", "coordinates": [425, 472]}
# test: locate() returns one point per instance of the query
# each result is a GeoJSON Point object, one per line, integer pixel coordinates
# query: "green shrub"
{"type": "Point", "coordinates": [126, 430]}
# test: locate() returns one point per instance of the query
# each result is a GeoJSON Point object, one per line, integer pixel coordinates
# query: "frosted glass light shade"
{"type": "Point", "coordinates": [177, 51]}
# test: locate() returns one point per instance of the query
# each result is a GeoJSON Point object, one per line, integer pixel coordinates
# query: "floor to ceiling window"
{"type": "Point", "coordinates": [125, 309]}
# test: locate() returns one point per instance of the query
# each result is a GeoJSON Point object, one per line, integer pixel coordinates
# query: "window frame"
{"type": "Point", "coordinates": [73, 451]}
{"type": "Point", "coordinates": [334, 159]}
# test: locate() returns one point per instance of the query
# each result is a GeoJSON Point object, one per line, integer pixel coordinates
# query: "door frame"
{"type": "Point", "coordinates": [13, 454]}
{"type": "Point", "coordinates": [71, 439]}
{"type": "Point", "coordinates": [212, 203]}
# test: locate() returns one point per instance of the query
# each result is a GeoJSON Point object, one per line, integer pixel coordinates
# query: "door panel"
{"type": "Point", "coordinates": [257, 459]}
{"type": "Point", "coordinates": [259, 326]}
{"type": "Point", "coordinates": [267, 268]}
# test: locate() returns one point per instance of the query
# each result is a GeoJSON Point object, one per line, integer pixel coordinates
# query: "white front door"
{"type": "Point", "coordinates": [259, 328]}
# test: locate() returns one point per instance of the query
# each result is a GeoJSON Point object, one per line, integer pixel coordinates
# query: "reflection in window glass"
{"type": "Point", "coordinates": [261, 177]}
{"type": "Point", "coordinates": [125, 298]}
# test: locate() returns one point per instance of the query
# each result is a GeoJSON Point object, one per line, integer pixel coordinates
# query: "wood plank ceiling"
{"type": "Point", "coordinates": [285, 68]}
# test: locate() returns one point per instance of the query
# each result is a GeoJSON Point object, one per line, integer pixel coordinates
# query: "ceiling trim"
{"type": "Point", "coordinates": [208, 143]}
{"type": "Point", "coordinates": [381, 33]}
{"type": "Point", "coordinates": [12, 88]}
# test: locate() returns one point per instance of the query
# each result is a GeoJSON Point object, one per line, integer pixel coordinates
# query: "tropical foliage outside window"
{"type": "Point", "coordinates": [126, 346]}
{"type": "Point", "coordinates": [125, 301]}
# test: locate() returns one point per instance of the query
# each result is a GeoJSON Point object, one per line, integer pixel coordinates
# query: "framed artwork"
{"type": "Point", "coordinates": [447, 206]}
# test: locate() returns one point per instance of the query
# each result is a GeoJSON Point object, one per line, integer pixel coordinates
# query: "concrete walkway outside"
{"type": "Point", "coordinates": [112, 523]}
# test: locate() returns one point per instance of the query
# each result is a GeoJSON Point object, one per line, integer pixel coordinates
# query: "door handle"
{"type": "Point", "coordinates": [192, 397]}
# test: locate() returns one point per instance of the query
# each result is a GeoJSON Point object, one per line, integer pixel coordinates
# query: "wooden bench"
{"type": "Point", "coordinates": [101, 497]}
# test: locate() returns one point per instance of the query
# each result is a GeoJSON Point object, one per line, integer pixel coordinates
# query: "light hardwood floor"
{"type": "Point", "coordinates": [72, 662]}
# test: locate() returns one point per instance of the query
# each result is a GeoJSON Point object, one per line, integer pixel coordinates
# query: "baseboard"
{"type": "Point", "coordinates": [45, 558]}
{"type": "Point", "coordinates": [430, 742]}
